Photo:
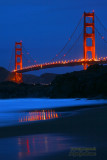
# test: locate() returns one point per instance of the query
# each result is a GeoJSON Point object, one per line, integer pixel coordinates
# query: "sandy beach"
{"type": "Point", "coordinates": [80, 120]}
{"type": "Point", "coordinates": [85, 126]}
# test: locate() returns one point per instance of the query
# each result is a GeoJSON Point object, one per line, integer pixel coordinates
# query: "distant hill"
{"type": "Point", "coordinates": [46, 78]}
{"type": "Point", "coordinates": [86, 83]}
{"type": "Point", "coordinates": [90, 83]}
{"type": "Point", "coordinates": [3, 74]}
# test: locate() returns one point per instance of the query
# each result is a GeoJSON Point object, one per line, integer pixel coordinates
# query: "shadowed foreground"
{"type": "Point", "coordinates": [86, 127]}
{"type": "Point", "coordinates": [91, 83]}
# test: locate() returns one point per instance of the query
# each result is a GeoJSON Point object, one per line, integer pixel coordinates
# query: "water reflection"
{"type": "Point", "coordinates": [16, 118]}
{"type": "Point", "coordinates": [38, 115]}
{"type": "Point", "coordinates": [41, 145]}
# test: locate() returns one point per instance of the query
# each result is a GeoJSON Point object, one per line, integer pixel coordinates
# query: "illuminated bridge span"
{"type": "Point", "coordinates": [62, 64]}
{"type": "Point", "coordinates": [84, 47]}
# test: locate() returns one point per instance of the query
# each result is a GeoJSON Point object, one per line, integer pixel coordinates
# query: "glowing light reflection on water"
{"type": "Point", "coordinates": [16, 118]}
{"type": "Point", "coordinates": [28, 147]}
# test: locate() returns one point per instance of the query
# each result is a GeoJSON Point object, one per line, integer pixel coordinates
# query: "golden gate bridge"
{"type": "Point", "coordinates": [82, 41]}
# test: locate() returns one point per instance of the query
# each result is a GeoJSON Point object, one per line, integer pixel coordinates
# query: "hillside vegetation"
{"type": "Point", "coordinates": [91, 83]}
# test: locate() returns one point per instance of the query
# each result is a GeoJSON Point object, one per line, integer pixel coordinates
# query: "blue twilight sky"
{"type": "Point", "coordinates": [44, 26]}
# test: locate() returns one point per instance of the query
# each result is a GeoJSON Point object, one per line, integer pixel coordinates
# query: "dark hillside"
{"type": "Point", "coordinates": [89, 83]}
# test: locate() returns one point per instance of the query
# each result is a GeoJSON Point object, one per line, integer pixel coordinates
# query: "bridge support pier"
{"type": "Point", "coordinates": [85, 66]}
{"type": "Point", "coordinates": [89, 36]}
{"type": "Point", "coordinates": [18, 78]}
{"type": "Point", "coordinates": [18, 62]}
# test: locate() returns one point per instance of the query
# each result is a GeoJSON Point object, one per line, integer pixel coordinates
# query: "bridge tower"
{"type": "Point", "coordinates": [89, 36]}
{"type": "Point", "coordinates": [18, 61]}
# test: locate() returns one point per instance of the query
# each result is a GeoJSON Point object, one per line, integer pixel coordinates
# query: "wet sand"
{"type": "Point", "coordinates": [87, 127]}
{"type": "Point", "coordinates": [87, 120]}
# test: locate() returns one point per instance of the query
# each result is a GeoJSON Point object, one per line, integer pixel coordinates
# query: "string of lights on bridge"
{"type": "Point", "coordinates": [63, 62]}
{"type": "Point", "coordinates": [64, 57]}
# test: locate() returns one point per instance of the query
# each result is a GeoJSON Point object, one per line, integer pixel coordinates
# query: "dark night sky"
{"type": "Point", "coordinates": [44, 26]}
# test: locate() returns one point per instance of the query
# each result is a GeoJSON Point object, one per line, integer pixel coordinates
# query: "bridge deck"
{"type": "Point", "coordinates": [60, 64]}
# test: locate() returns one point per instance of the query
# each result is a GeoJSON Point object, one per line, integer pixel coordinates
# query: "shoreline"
{"type": "Point", "coordinates": [60, 125]}
{"type": "Point", "coordinates": [97, 97]}
{"type": "Point", "coordinates": [21, 105]}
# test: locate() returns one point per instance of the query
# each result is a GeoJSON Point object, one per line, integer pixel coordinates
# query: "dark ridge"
{"type": "Point", "coordinates": [91, 83]}
{"type": "Point", "coordinates": [46, 78]}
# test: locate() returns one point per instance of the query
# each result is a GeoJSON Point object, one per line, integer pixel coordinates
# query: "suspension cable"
{"type": "Point", "coordinates": [72, 45]}
{"type": "Point", "coordinates": [69, 39]}
{"type": "Point", "coordinates": [102, 37]}
{"type": "Point", "coordinates": [29, 54]}
{"type": "Point", "coordinates": [101, 23]}
{"type": "Point", "coordinates": [12, 55]}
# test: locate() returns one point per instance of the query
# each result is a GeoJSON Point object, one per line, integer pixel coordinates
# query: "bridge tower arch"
{"type": "Point", "coordinates": [18, 61]}
{"type": "Point", "coordinates": [91, 36]}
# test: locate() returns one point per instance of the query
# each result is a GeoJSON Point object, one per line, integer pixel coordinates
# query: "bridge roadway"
{"type": "Point", "coordinates": [60, 64]}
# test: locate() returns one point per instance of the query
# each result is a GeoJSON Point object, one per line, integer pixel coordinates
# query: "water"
{"type": "Point", "coordinates": [33, 146]}
{"type": "Point", "coordinates": [25, 117]}
{"type": "Point", "coordinates": [78, 134]}
{"type": "Point", "coordinates": [34, 104]}
{"type": "Point", "coordinates": [16, 111]}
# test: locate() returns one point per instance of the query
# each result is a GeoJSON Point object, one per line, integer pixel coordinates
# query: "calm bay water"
{"type": "Point", "coordinates": [34, 146]}
{"type": "Point", "coordinates": [16, 111]}
{"type": "Point", "coordinates": [18, 118]}
{"type": "Point", "coordinates": [85, 137]}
